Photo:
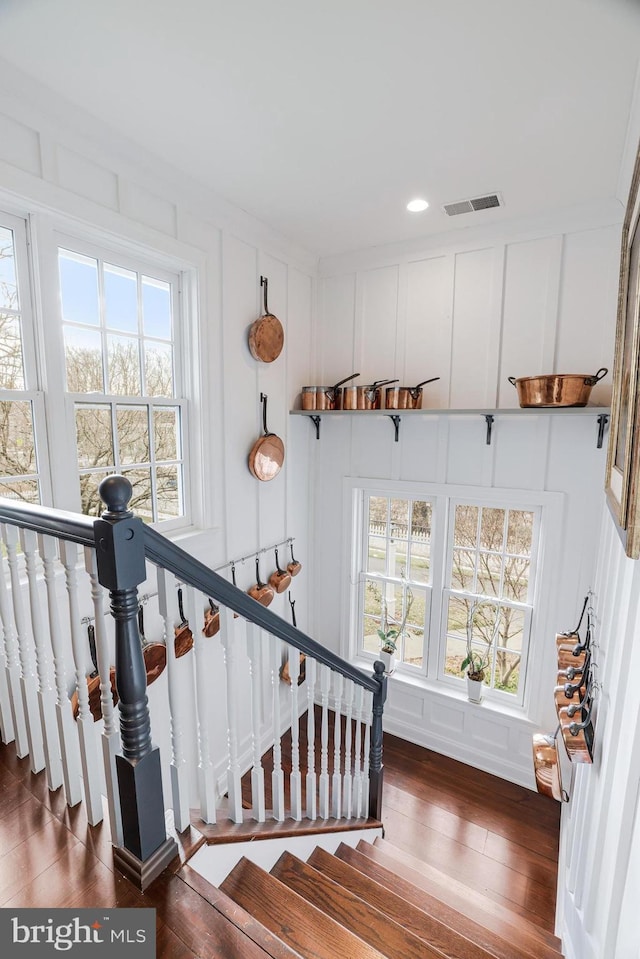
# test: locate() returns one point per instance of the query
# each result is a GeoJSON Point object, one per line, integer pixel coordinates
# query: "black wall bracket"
{"type": "Point", "coordinates": [603, 419]}
{"type": "Point", "coordinates": [316, 422]}
{"type": "Point", "coordinates": [396, 422]}
{"type": "Point", "coordinates": [489, 420]}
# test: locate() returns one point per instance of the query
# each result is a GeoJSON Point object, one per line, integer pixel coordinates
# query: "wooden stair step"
{"type": "Point", "coordinates": [493, 933]}
{"type": "Point", "coordinates": [238, 916]}
{"type": "Point", "coordinates": [449, 940]}
{"type": "Point", "coordinates": [388, 936]}
{"type": "Point", "coordinates": [291, 918]}
{"type": "Point", "coordinates": [463, 890]}
{"type": "Point", "coordinates": [195, 922]}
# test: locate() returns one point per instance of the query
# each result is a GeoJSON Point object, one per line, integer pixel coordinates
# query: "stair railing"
{"type": "Point", "coordinates": [341, 780]}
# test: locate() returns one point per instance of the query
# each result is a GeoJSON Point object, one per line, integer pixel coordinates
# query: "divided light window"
{"type": "Point", "coordinates": [21, 410]}
{"type": "Point", "coordinates": [491, 576]}
{"type": "Point", "coordinates": [123, 379]}
{"type": "Point", "coordinates": [448, 559]}
{"type": "Point", "coordinates": [397, 533]}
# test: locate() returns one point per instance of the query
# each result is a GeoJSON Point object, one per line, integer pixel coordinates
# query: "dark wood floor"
{"type": "Point", "coordinates": [500, 838]}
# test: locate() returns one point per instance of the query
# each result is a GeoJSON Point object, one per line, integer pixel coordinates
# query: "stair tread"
{"type": "Point", "coordinates": [290, 917]}
{"type": "Point", "coordinates": [513, 911]}
{"type": "Point", "coordinates": [360, 917]}
{"type": "Point", "coordinates": [495, 931]}
{"type": "Point", "coordinates": [454, 942]}
{"type": "Point", "coordinates": [235, 914]}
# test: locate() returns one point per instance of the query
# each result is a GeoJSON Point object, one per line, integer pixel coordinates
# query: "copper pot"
{"type": "Point", "coordinates": [266, 336]}
{"type": "Point", "coordinates": [211, 620]}
{"type": "Point", "coordinates": [294, 566]}
{"type": "Point", "coordinates": [547, 766]}
{"type": "Point", "coordinates": [406, 397]}
{"type": "Point", "coordinates": [556, 389]}
{"type": "Point", "coordinates": [324, 397]}
{"type": "Point", "coordinates": [364, 397]}
{"type": "Point", "coordinates": [280, 579]}
{"type": "Point", "coordinates": [260, 591]}
{"type": "Point", "coordinates": [183, 637]}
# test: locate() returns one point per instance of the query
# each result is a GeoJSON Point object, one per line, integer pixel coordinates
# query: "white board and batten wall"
{"type": "Point", "coordinates": [63, 166]}
{"type": "Point", "coordinates": [473, 315]}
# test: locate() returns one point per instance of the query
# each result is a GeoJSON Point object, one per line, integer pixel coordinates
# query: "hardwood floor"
{"type": "Point", "coordinates": [500, 838]}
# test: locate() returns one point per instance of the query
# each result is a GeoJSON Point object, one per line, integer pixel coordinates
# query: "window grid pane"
{"type": "Point", "coordinates": [118, 328]}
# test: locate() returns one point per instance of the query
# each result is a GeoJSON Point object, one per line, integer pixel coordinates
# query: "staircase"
{"type": "Point", "coordinates": [363, 903]}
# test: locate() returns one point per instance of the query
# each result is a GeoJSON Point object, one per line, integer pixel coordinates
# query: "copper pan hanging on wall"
{"type": "Point", "coordinates": [266, 336]}
{"type": "Point", "coordinates": [267, 453]}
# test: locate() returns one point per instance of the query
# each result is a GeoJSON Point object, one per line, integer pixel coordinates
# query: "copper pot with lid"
{"type": "Point", "coordinates": [556, 389]}
{"type": "Point", "coordinates": [364, 397]}
{"type": "Point", "coordinates": [406, 397]}
{"type": "Point", "coordinates": [324, 397]}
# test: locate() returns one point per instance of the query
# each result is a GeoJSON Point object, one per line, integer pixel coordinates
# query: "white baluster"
{"type": "Point", "coordinates": [179, 769]}
{"type": "Point", "coordinates": [367, 718]}
{"type": "Point", "coordinates": [46, 692]}
{"type": "Point", "coordinates": [347, 784]}
{"type": "Point", "coordinates": [110, 732]}
{"type": "Point", "coordinates": [206, 778]}
{"type": "Point", "coordinates": [295, 779]}
{"type": "Point", "coordinates": [325, 686]}
{"type": "Point", "coordinates": [28, 680]}
{"type": "Point", "coordinates": [67, 729]}
{"type": "Point", "coordinates": [91, 773]}
{"type": "Point", "coordinates": [336, 797]}
{"type": "Point", "coordinates": [13, 724]}
{"type": "Point", "coordinates": [277, 776]}
{"type": "Point", "coordinates": [311, 780]}
{"type": "Point", "coordinates": [230, 643]}
{"type": "Point", "coordinates": [257, 771]}
{"type": "Point", "coordinates": [357, 759]}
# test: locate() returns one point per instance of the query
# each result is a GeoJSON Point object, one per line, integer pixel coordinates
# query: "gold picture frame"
{"type": "Point", "coordinates": [622, 478]}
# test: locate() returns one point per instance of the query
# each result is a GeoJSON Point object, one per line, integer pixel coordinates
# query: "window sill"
{"type": "Point", "coordinates": [448, 694]}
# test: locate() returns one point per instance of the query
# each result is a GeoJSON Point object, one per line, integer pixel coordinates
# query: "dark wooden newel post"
{"type": "Point", "coordinates": [121, 568]}
{"type": "Point", "coordinates": [376, 769]}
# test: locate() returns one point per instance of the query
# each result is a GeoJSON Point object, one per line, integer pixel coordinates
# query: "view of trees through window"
{"type": "Point", "coordinates": [486, 563]}
{"type": "Point", "coordinates": [491, 565]}
{"type": "Point", "coordinates": [117, 326]}
{"type": "Point", "coordinates": [18, 465]}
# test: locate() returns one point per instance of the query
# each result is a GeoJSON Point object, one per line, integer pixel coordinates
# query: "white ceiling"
{"type": "Point", "coordinates": [323, 119]}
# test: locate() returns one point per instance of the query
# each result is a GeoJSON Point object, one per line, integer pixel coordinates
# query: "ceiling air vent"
{"type": "Point", "coordinates": [471, 206]}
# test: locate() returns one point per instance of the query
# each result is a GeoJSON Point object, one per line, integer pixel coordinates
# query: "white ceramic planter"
{"type": "Point", "coordinates": [389, 660]}
{"type": "Point", "coordinates": [474, 690]}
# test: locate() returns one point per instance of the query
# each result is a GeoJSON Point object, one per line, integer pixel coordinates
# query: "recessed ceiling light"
{"type": "Point", "coordinates": [417, 206]}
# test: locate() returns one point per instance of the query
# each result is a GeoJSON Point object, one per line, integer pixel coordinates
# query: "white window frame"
{"type": "Point", "coordinates": [32, 392]}
{"type": "Point", "coordinates": [44, 232]}
{"type": "Point", "coordinates": [549, 507]}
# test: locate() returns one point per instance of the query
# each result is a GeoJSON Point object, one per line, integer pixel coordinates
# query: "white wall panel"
{"type": "Point", "coordinates": [530, 310]}
{"type": "Point", "coordinates": [19, 145]}
{"type": "Point", "coordinates": [475, 344]}
{"type": "Point", "coordinates": [520, 451]}
{"type": "Point", "coordinates": [420, 448]}
{"type": "Point", "coordinates": [81, 176]}
{"type": "Point", "coordinates": [371, 446]}
{"type": "Point", "coordinates": [377, 325]}
{"type": "Point", "coordinates": [588, 296]}
{"type": "Point", "coordinates": [299, 341]}
{"type": "Point", "coordinates": [335, 333]}
{"type": "Point", "coordinates": [427, 337]}
{"type": "Point", "coordinates": [140, 204]}
{"type": "Point", "coordinates": [469, 459]}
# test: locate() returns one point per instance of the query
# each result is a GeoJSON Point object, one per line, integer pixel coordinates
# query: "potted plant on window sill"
{"type": "Point", "coordinates": [390, 633]}
{"type": "Point", "coordinates": [476, 662]}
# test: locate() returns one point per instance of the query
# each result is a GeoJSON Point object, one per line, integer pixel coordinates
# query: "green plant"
{"type": "Point", "coordinates": [476, 661]}
{"type": "Point", "coordinates": [391, 630]}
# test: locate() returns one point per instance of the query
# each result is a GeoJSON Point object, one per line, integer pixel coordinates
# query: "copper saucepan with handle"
{"type": "Point", "coordinates": [364, 397]}
{"type": "Point", "coordinates": [556, 389]}
{"type": "Point", "coordinates": [266, 336]}
{"type": "Point", "coordinates": [183, 637]}
{"type": "Point", "coordinates": [261, 592]}
{"type": "Point", "coordinates": [93, 683]}
{"type": "Point", "coordinates": [324, 397]}
{"type": "Point", "coordinates": [267, 453]}
{"type": "Point", "coordinates": [280, 579]}
{"type": "Point", "coordinates": [294, 566]}
{"type": "Point", "coordinates": [406, 397]}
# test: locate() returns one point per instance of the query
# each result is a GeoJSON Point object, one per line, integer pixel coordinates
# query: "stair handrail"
{"type": "Point", "coordinates": [163, 552]}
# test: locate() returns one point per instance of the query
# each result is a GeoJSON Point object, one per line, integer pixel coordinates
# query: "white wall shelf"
{"type": "Point", "coordinates": [602, 414]}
